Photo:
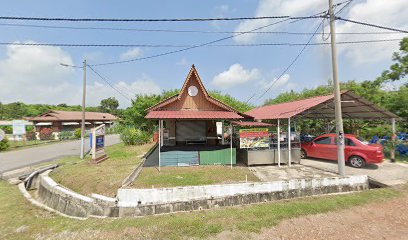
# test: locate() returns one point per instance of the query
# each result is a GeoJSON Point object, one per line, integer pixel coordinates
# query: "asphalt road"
{"type": "Point", "coordinates": [32, 156]}
{"type": "Point", "coordinates": [385, 172]}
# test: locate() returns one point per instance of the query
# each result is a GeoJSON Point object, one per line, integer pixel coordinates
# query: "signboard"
{"type": "Point", "coordinates": [254, 138]}
{"type": "Point", "coordinates": [2, 135]}
{"type": "Point", "coordinates": [19, 127]}
{"type": "Point", "coordinates": [98, 144]}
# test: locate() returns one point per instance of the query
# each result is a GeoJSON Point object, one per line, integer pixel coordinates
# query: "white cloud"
{"type": "Point", "coordinates": [131, 53]}
{"type": "Point", "coordinates": [381, 12]}
{"type": "Point", "coordinates": [33, 74]}
{"type": "Point", "coordinates": [277, 8]}
{"type": "Point", "coordinates": [182, 62]}
{"type": "Point", "coordinates": [220, 12]}
{"type": "Point", "coordinates": [275, 83]}
{"type": "Point", "coordinates": [98, 91]}
{"type": "Point", "coordinates": [235, 75]}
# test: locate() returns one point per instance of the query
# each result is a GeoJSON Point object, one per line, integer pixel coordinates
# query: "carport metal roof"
{"type": "Point", "coordinates": [322, 107]}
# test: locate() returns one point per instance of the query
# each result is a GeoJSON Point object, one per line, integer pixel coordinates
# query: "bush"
{"type": "Point", "coordinates": [29, 128]}
{"type": "Point", "coordinates": [66, 135]}
{"type": "Point", "coordinates": [46, 134]}
{"type": "Point", "coordinates": [31, 136]}
{"type": "Point", "coordinates": [134, 136]}
{"type": "Point", "coordinates": [115, 129]}
{"type": "Point", "coordinates": [77, 133]}
{"type": "Point", "coordinates": [7, 129]}
{"type": "Point", "coordinates": [379, 130]}
{"type": "Point", "coordinates": [4, 144]}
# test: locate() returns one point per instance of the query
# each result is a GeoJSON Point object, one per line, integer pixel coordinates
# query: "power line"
{"type": "Point", "coordinates": [183, 46]}
{"type": "Point", "coordinates": [372, 25]}
{"type": "Point", "coordinates": [290, 65]}
{"type": "Point", "coordinates": [180, 30]}
{"type": "Point", "coordinates": [58, 19]}
{"type": "Point", "coordinates": [110, 84]}
{"type": "Point", "coordinates": [189, 48]}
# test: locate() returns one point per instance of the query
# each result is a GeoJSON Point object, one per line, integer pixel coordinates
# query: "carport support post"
{"type": "Point", "coordinates": [232, 130]}
{"type": "Point", "coordinates": [159, 141]}
{"type": "Point", "coordinates": [279, 153]}
{"type": "Point", "coordinates": [392, 150]}
{"type": "Point", "coordinates": [289, 144]}
{"type": "Point", "coordinates": [337, 96]}
{"type": "Point", "coordinates": [222, 133]}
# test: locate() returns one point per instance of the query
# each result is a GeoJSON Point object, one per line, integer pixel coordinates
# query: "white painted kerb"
{"type": "Point", "coordinates": [134, 197]}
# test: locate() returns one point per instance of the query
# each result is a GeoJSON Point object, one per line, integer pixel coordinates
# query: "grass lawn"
{"type": "Point", "coordinates": [190, 176]}
{"type": "Point", "coordinates": [21, 220]}
{"type": "Point", "coordinates": [103, 178]}
{"type": "Point", "coordinates": [18, 145]}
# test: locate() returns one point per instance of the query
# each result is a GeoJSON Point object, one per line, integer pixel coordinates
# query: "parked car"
{"type": "Point", "coordinates": [356, 152]}
{"type": "Point", "coordinates": [306, 137]}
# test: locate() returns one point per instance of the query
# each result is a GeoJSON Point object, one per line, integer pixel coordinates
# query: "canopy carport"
{"type": "Point", "coordinates": [322, 107]}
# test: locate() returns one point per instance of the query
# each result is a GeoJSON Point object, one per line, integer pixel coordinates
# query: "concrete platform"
{"type": "Point", "coordinates": [386, 172]}
{"type": "Point", "coordinates": [296, 171]}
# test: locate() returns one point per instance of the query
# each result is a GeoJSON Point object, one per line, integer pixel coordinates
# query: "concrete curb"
{"type": "Point", "coordinates": [144, 202]}
{"type": "Point", "coordinates": [28, 196]}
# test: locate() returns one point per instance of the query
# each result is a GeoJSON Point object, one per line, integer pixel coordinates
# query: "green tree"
{"type": "Point", "coordinates": [231, 101]}
{"type": "Point", "coordinates": [399, 69]}
{"type": "Point", "coordinates": [109, 105]}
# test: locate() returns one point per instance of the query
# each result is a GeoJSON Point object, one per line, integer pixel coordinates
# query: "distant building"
{"type": "Point", "coordinates": [69, 120]}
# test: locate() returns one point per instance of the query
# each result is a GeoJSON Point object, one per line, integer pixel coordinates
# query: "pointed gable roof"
{"type": "Point", "coordinates": [193, 74]}
{"type": "Point", "coordinates": [203, 102]}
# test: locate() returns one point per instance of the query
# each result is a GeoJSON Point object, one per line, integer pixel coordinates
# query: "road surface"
{"type": "Point", "coordinates": [32, 156]}
{"type": "Point", "coordinates": [385, 172]}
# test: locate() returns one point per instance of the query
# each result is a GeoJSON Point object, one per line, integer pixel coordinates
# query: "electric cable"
{"type": "Point", "coordinates": [183, 46]}
{"type": "Point", "coordinates": [110, 84]}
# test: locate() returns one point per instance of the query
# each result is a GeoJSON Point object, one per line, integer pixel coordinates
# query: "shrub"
{"type": "Point", "coordinates": [77, 133]}
{"type": "Point", "coordinates": [134, 136]}
{"type": "Point", "coordinates": [115, 129]}
{"type": "Point", "coordinates": [31, 136]}
{"type": "Point", "coordinates": [4, 144]}
{"type": "Point", "coordinates": [66, 135]}
{"type": "Point", "coordinates": [7, 129]}
{"type": "Point", "coordinates": [46, 134]}
{"type": "Point", "coordinates": [29, 128]}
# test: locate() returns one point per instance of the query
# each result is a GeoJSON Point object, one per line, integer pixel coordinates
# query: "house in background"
{"type": "Point", "coordinates": [60, 121]}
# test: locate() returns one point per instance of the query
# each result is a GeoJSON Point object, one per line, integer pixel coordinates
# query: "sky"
{"type": "Point", "coordinates": [33, 74]}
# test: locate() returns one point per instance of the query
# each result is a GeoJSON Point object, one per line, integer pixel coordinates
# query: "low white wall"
{"type": "Point", "coordinates": [135, 197]}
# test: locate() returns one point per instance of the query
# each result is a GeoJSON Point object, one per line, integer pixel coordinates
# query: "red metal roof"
{"type": "Point", "coordinates": [192, 115]}
{"type": "Point", "coordinates": [56, 115]}
{"type": "Point", "coordinates": [252, 124]}
{"type": "Point", "coordinates": [322, 107]}
{"type": "Point", "coordinates": [288, 109]}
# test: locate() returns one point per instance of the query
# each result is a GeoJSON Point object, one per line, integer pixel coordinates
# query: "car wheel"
{"type": "Point", "coordinates": [357, 162]}
{"type": "Point", "coordinates": [303, 154]}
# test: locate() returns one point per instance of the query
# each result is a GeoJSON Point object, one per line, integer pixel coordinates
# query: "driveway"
{"type": "Point", "coordinates": [386, 172]}
{"type": "Point", "coordinates": [32, 156]}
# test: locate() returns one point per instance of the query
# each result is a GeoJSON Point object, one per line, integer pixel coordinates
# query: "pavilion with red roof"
{"type": "Point", "coordinates": [187, 126]}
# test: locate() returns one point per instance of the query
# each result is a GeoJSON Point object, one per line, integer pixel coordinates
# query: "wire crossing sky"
{"type": "Point", "coordinates": [238, 47]}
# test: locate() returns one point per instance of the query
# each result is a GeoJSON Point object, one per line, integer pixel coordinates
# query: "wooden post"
{"type": "Point", "coordinates": [289, 144]}
{"type": "Point", "coordinates": [159, 142]}
{"type": "Point", "coordinates": [232, 130]}
{"type": "Point", "coordinates": [222, 133]}
{"type": "Point", "coordinates": [279, 153]}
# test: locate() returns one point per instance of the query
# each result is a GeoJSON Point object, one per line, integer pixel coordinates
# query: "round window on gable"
{"type": "Point", "coordinates": [192, 91]}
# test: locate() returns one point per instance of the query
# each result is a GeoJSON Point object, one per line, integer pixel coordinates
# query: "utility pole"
{"type": "Point", "coordinates": [83, 114]}
{"type": "Point", "coordinates": [337, 96]}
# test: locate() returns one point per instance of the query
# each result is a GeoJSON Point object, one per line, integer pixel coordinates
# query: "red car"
{"type": "Point", "coordinates": [356, 152]}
